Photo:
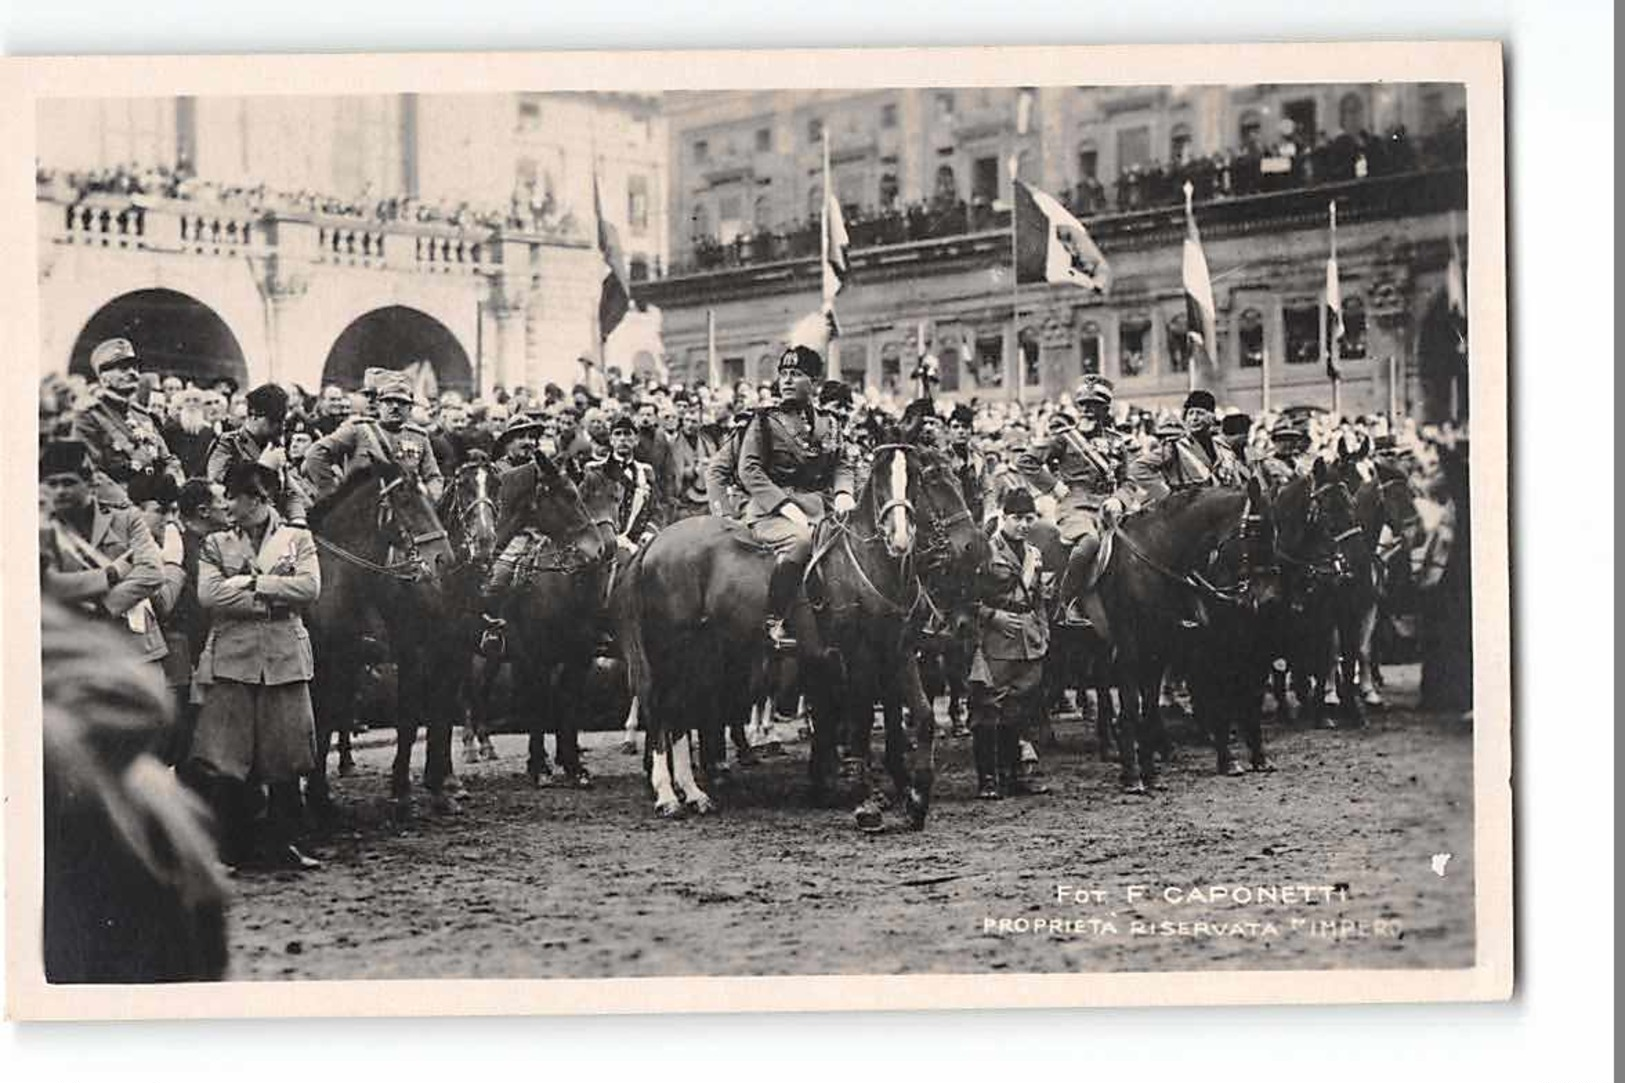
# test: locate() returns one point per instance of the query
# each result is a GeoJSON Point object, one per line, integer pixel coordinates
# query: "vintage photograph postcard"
{"type": "Point", "coordinates": [780, 530]}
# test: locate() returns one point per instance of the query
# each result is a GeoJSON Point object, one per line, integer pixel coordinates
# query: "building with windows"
{"type": "Point", "coordinates": [304, 239]}
{"type": "Point", "coordinates": [923, 177]}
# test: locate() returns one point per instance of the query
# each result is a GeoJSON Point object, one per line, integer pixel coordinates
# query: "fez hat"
{"type": "Point", "coordinates": [1018, 502]}
{"type": "Point", "coordinates": [622, 423]}
{"type": "Point", "coordinates": [114, 353]}
{"type": "Point", "coordinates": [1201, 399]}
{"type": "Point", "coordinates": [268, 400]}
{"type": "Point", "coordinates": [252, 479]}
{"type": "Point", "coordinates": [1094, 389]}
{"type": "Point", "coordinates": [64, 457]}
{"type": "Point", "coordinates": [963, 414]}
{"type": "Point", "coordinates": [1235, 425]}
{"type": "Point", "coordinates": [920, 410]}
{"type": "Point", "coordinates": [803, 359]}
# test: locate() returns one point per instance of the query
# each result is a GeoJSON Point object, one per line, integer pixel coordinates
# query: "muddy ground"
{"type": "Point", "coordinates": [529, 883]}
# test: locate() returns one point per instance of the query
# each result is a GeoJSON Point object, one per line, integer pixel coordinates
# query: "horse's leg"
{"type": "Point", "coordinates": [535, 701]}
{"type": "Point", "coordinates": [822, 762]}
{"type": "Point", "coordinates": [921, 773]}
{"type": "Point", "coordinates": [1106, 729]}
{"type": "Point", "coordinates": [1128, 742]}
{"type": "Point", "coordinates": [1367, 634]}
{"type": "Point", "coordinates": [682, 769]}
{"type": "Point", "coordinates": [659, 752]}
{"type": "Point", "coordinates": [629, 729]}
{"type": "Point", "coordinates": [471, 682]}
{"type": "Point", "coordinates": [568, 700]}
{"type": "Point", "coordinates": [1252, 723]}
{"type": "Point", "coordinates": [346, 752]}
{"type": "Point", "coordinates": [331, 691]}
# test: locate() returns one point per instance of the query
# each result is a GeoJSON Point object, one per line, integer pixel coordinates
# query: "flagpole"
{"type": "Point", "coordinates": [1393, 387]}
{"type": "Point", "coordinates": [827, 304]}
{"type": "Point", "coordinates": [1264, 376]}
{"type": "Point", "coordinates": [1190, 358]}
{"type": "Point", "coordinates": [713, 375]}
{"type": "Point", "coordinates": [1015, 287]}
{"type": "Point", "coordinates": [1326, 347]}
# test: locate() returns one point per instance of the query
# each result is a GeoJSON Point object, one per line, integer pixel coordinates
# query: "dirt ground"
{"type": "Point", "coordinates": [1339, 844]}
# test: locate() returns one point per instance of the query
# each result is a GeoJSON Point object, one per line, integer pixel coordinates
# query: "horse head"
{"type": "Point", "coordinates": [1398, 500]}
{"type": "Point", "coordinates": [891, 492]}
{"type": "Point", "coordinates": [1260, 568]}
{"type": "Point", "coordinates": [560, 514]}
{"type": "Point", "coordinates": [470, 512]}
{"type": "Point", "coordinates": [383, 510]}
{"type": "Point", "coordinates": [955, 550]}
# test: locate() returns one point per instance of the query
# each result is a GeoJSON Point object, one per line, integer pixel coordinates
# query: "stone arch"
{"type": "Point", "coordinates": [397, 337]}
{"type": "Point", "coordinates": [173, 333]}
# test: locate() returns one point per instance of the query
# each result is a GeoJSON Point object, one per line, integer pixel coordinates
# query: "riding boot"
{"type": "Point", "coordinates": [282, 827]}
{"type": "Point", "coordinates": [1079, 567]}
{"type": "Point", "coordinates": [984, 749]}
{"type": "Point", "coordinates": [782, 586]}
{"type": "Point", "coordinates": [1015, 783]}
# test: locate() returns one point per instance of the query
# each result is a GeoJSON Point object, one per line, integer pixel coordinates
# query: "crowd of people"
{"type": "Point", "coordinates": [1292, 160]}
{"type": "Point", "coordinates": [530, 209]}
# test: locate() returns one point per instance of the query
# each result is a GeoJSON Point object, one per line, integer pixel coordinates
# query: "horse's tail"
{"type": "Point", "coordinates": [628, 607]}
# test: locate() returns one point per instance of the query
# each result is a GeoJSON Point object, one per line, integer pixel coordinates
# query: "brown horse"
{"type": "Point", "coordinates": [1386, 511]}
{"type": "Point", "coordinates": [909, 551]}
{"type": "Point", "coordinates": [1203, 553]}
{"type": "Point", "coordinates": [382, 552]}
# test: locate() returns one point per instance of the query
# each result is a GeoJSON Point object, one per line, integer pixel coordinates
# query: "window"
{"type": "Point", "coordinates": [702, 150]}
{"type": "Point", "coordinates": [891, 368]}
{"type": "Point", "coordinates": [1133, 147]}
{"type": "Point", "coordinates": [1250, 332]}
{"type": "Point", "coordinates": [815, 130]}
{"type": "Point", "coordinates": [1179, 343]}
{"type": "Point", "coordinates": [990, 361]}
{"type": "Point", "coordinates": [854, 364]}
{"type": "Point", "coordinates": [985, 179]}
{"type": "Point", "coordinates": [699, 220]}
{"type": "Point", "coordinates": [764, 139]}
{"type": "Point", "coordinates": [1302, 334]}
{"type": "Point", "coordinates": [849, 192]}
{"type": "Point", "coordinates": [637, 204]}
{"type": "Point", "coordinates": [945, 105]}
{"type": "Point", "coordinates": [888, 115]}
{"type": "Point", "coordinates": [1301, 112]}
{"type": "Point", "coordinates": [761, 213]}
{"type": "Point", "coordinates": [948, 369]}
{"type": "Point", "coordinates": [1133, 336]}
{"type": "Point", "coordinates": [733, 370]}
{"type": "Point", "coordinates": [947, 188]}
{"type": "Point", "coordinates": [1032, 373]}
{"type": "Point", "coordinates": [1352, 345]}
{"type": "Point", "coordinates": [1088, 162]}
{"type": "Point", "coordinates": [1179, 143]}
{"type": "Point", "coordinates": [888, 191]}
{"type": "Point", "coordinates": [1089, 349]}
{"type": "Point", "coordinates": [1351, 114]}
{"type": "Point", "coordinates": [728, 208]}
{"type": "Point", "coordinates": [637, 269]}
{"type": "Point", "coordinates": [1251, 128]}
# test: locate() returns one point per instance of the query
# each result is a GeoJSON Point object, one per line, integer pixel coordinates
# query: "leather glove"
{"type": "Point", "coordinates": [844, 503]}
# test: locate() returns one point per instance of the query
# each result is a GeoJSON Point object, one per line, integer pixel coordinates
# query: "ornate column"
{"type": "Point", "coordinates": [1057, 353]}
{"type": "Point", "coordinates": [506, 363]}
{"type": "Point", "coordinates": [1389, 333]}
{"type": "Point", "coordinates": [282, 284]}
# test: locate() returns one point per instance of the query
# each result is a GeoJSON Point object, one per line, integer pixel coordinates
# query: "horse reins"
{"type": "Point", "coordinates": [409, 570]}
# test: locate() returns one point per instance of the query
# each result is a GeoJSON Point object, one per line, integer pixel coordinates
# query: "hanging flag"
{"type": "Point", "coordinates": [1455, 291]}
{"type": "Point", "coordinates": [835, 242]}
{"type": "Point", "coordinates": [615, 296]}
{"type": "Point", "coordinates": [1201, 314]}
{"type": "Point", "coordinates": [713, 366]}
{"type": "Point", "coordinates": [1334, 303]}
{"type": "Point", "coordinates": [1052, 245]}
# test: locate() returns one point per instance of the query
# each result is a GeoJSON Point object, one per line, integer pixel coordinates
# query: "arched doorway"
{"type": "Point", "coordinates": [399, 338]}
{"type": "Point", "coordinates": [173, 333]}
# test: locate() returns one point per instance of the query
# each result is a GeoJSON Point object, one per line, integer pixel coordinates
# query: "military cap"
{"type": "Point", "coordinates": [64, 457]}
{"type": "Point", "coordinates": [1094, 389]}
{"type": "Point", "coordinates": [803, 359]}
{"type": "Point", "coordinates": [835, 393]}
{"type": "Point", "coordinates": [248, 478]}
{"type": "Point", "coordinates": [395, 386]}
{"type": "Point", "coordinates": [963, 414]}
{"type": "Point", "coordinates": [1018, 502]}
{"type": "Point", "coordinates": [268, 400]}
{"type": "Point", "coordinates": [114, 353]}
{"type": "Point", "coordinates": [1201, 399]}
{"type": "Point", "coordinates": [1235, 425]}
{"type": "Point", "coordinates": [1289, 427]}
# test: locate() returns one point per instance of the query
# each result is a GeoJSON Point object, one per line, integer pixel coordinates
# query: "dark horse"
{"type": "Point", "coordinates": [382, 551]}
{"type": "Point", "coordinates": [909, 551]}
{"type": "Point", "coordinates": [1389, 523]}
{"type": "Point", "coordinates": [470, 510]}
{"type": "Point", "coordinates": [1326, 565]}
{"type": "Point", "coordinates": [1201, 556]}
{"type": "Point", "coordinates": [556, 612]}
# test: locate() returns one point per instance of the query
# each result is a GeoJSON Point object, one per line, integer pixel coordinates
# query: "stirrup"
{"type": "Point", "coordinates": [1072, 616]}
{"type": "Point", "coordinates": [780, 639]}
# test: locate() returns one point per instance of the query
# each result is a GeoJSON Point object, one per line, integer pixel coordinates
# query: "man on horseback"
{"type": "Point", "coordinates": [516, 444]}
{"type": "Point", "coordinates": [361, 440]}
{"type": "Point", "coordinates": [789, 458]}
{"type": "Point", "coordinates": [120, 434]}
{"type": "Point", "coordinates": [1006, 678]}
{"type": "Point", "coordinates": [1290, 457]}
{"type": "Point", "coordinates": [922, 425]}
{"type": "Point", "coordinates": [259, 439]}
{"type": "Point", "coordinates": [1087, 459]}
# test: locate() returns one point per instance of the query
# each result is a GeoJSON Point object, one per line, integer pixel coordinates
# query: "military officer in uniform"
{"type": "Point", "coordinates": [1202, 458]}
{"type": "Point", "coordinates": [1290, 458]}
{"type": "Point", "coordinates": [361, 440]}
{"type": "Point", "coordinates": [789, 458]}
{"type": "Point", "coordinates": [122, 437]}
{"type": "Point", "coordinates": [636, 518]}
{"type": "Point", "coordinates": [1087, 458]}
{"type": "Point", "coordinates": [723, 493]}
{"type": "Point", "coordinates": [1007, 673]}
{"type": "Point", "coordinates": [259, 439]}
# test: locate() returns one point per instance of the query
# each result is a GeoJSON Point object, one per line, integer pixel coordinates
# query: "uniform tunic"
{"type": "Point", "coordinates": [359, 442]}
{"type": "Point", "coordinates": [124, 440]}
{"type": "Point", "coordinates": [1092, 467]}
{"type": "Point", "coordinates": [1007, 672]}
{"type": "Point", "coordinates": [256, 664]}
{"type": "Point", "coordinates": [75, 573]}
{"type": "Point", "coordinates": [791, 456]}
{"type": "Point", "coordinates": [239, 446]}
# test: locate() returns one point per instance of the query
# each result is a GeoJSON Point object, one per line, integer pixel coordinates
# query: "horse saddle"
{"type": "Point", "coordinates": [1094, 564]}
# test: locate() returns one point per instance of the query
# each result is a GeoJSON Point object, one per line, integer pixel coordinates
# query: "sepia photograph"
{"type": "Point", "coordinates": [968, 526]}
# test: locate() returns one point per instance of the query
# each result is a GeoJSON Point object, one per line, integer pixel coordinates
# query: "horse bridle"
{"type": "Point", "coordinates": [410, 569]}
{"type": "Point", "coordinates": [567, 558]}
{"type": "Point", "coordinates": [1238, 594]}
{"type": "Point", "coordinates": [1336, 563]}
{"type": "Point", "coordinates": [461, 512]}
